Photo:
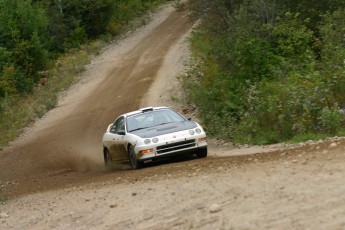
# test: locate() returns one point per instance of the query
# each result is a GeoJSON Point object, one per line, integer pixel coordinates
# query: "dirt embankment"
{"type": "Point", "coordinates": [56, 180]}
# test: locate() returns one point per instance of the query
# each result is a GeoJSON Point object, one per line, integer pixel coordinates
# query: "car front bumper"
{"type": "Point", "coordinates": [169, 147]}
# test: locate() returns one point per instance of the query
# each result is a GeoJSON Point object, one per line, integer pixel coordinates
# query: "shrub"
{"type": "Point", "coordinates": [331, 120]}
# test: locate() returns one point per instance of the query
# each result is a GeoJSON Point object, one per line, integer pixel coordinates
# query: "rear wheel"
{"type": "Point", "coordinates": [133, 159]}
{"type": "Point", "coordinates": [107, 159]}
{"type": "Point", "coordinates": [201, 153]}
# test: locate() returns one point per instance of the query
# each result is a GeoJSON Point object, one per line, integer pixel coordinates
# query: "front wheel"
{"type": "Point", "coordinates": [133, 159]}
{"type": "Point", "coordinates": [201, 153]}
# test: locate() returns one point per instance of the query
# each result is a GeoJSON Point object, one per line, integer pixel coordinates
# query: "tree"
{"type": "Point", "coordinates": [24, 39]}
{"type": "Point", "coordinates": [92, 15]}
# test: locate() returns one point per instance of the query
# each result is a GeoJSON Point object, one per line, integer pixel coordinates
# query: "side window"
{"type": "Point", "coordinates": [112, 129]}
{"type": "Point", "coordinates": [119, 126]}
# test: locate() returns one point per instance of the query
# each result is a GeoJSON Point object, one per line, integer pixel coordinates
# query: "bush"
{"type": "Point", "coordinates": [331, 120]}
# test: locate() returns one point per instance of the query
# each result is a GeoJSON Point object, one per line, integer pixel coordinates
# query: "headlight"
{"type": "Point", "coordinates": [147, 141]}
{"type": "Point", "coordinates": [146, 151]}
{"type": "Point", "coordinates": [191, 132]}
{"type": "Point", "coordinates": [155, 140]}
{"type": "Point", "coordinates": [198, 131]}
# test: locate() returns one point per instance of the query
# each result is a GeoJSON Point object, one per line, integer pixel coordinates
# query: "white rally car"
{"type": "Point", "coordinates": [152, 133]}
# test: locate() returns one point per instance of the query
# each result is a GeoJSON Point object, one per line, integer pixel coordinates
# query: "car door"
{"type": "Point", "coordinates": [117, 136]}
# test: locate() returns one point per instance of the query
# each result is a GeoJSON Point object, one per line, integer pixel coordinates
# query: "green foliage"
{"type": "Point", "coordinates": [7, 81]}
{"type": "Point", "coordinates": [76, 38]}
{"type": "Point", "coordinates": [285, 109]}
{"type": "Point", "coordinates": [331, 120]}
{"type": "Point", "coordinates": [92, 16]}
{"type": "Point", "coordinates": [308, 136]}
{"type": "Point", "coordinates": [179, 6]}
{"type": "Point", "coordinates": [333, 54]}
{"type": "Point", "coordinates": [313, 9]}
{"type": "Point", "coordinates": [265, 73]}
{"type": "Point", "coordinates": [22, 44]}
{"type": "Point", "coordinates": [292, 41]}
{"type": "Point", "coordinates": [124, 11]}
{"type": "Point", "coordinates": [254, 60]}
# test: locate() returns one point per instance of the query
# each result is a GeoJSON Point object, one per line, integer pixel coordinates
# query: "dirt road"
{"type": "Point", "coordinates": [54, 174]}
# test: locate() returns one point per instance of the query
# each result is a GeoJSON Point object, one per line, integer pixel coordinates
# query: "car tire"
{"type": "Point", "coordinates": [133, 159]}
{"type": "Point", "coordinates": [107, 159]}
{"type": "Point", "coordinates": [201, 153]}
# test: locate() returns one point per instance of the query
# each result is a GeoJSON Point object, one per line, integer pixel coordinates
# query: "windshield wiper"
{"type": "Point", "coordinates": [164, 123]}
{"type": "Point", "coordinates": [138, 129]}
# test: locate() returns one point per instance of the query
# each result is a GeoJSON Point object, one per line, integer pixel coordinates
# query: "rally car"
{"type": "Point", "coordinates": [152, 133]}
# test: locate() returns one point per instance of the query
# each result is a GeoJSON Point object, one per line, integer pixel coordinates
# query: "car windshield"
{"type": "Point", "coordinates": [152, 118]}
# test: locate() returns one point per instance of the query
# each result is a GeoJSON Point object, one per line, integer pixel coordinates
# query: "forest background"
{"type": "Point", "coordinates": [268, 71]}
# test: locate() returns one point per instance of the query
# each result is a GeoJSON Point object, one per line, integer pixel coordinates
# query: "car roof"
{"type": "Point", "coordinates": [143, 110]}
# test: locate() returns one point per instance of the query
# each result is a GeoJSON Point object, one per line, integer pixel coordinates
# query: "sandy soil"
{"type": "Point", "coordinates": [55, 179]}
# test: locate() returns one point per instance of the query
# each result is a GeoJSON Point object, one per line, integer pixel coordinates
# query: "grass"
{"type": "Point", "coordinates": [315, 136]}
{"type": "Point", "coordinates": [309, 136]}
{"type": "Point", "coordinates": [174, 98]}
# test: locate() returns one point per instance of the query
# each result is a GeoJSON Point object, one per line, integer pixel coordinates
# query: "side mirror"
{"type": "Point", "coordinates": [189, 118]}
{"type": "Point", "coordinates": [122, 133]}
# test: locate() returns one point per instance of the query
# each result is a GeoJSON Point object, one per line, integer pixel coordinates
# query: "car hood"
{"type": "Point", "coordinates": [165, 129]}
